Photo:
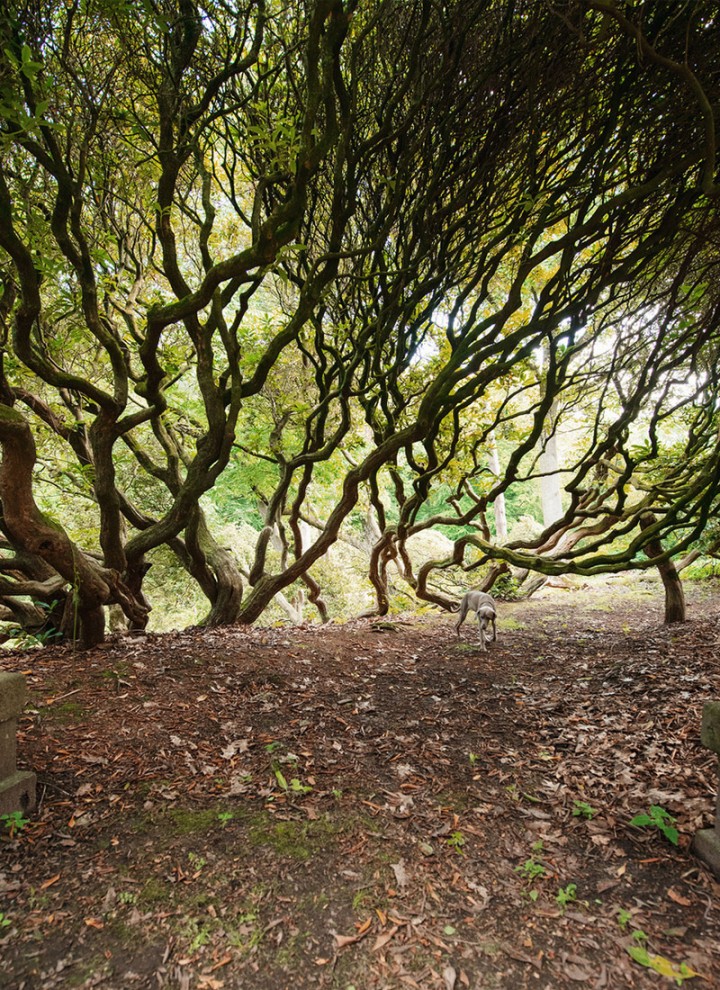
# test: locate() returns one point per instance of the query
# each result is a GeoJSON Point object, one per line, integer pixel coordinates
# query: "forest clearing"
{"type": "Point", "coordinates": [373, 805]}
{"type": "Point", "coordinates": [314, 316]}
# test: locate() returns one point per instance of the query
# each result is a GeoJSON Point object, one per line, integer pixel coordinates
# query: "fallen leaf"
{"type": "Point", "coordinates": [678, 898]}
{"type": "Point", "coordinates": [383, 939]}
{"type": "Point", "coordinates": [509, 950]}
{"type": "Point", "coordinates": [400, 873]}
{"type": "Point", "coordinates": [661, 965]}
{"type": "Point", "coordinates": [343, 940]}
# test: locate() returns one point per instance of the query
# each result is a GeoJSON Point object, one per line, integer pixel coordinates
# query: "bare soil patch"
{"type": "Point", "coordinates": [370, 806]}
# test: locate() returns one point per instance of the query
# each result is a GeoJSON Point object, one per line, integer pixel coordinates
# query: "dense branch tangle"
{"type": "Point", "coordinates": [338, 235]}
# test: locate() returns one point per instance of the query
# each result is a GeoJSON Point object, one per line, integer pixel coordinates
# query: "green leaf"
{"type": "Point", "coordinates": [671, 834]}
{"type": "Point", "coordinates": [29, 68]}
{"type": "Point", "coordinates": [679, 972]}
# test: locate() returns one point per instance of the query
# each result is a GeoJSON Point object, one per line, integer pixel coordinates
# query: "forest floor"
{"type": "Point", "coordinates": [373, 806]}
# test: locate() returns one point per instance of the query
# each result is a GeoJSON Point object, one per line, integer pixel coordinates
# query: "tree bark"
{"type": "Point", "coordinates": [674, 595]}
{"type": "Point", "coordinates": [215, 570]}
{"type": "Point", "coordinates": [30, 530]}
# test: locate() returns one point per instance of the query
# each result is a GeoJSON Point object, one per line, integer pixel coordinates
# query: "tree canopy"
{"type": "Point", "coordinates": [340, 252]}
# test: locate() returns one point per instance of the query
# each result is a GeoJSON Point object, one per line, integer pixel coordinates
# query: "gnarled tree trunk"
{"type": "Point", "coordinates": [674, 595]}
{"type": "Point", "coordinates": [215, 570]}
{"type": "Point", "coordinates": [30, 530]}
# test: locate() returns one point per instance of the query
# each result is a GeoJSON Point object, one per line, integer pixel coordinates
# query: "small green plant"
{"type": "Point", "coordinates": [197, 862]}
{"type": "Point", "coordinates": [295, 786]}
{"type": "Point", "coordinates": [473, 757]}
{"type": "Point", "coordinates": [14, 822]}
{"type": "Point", "coordinates": [224, 817]}
{"type": "Point", "coordinates": [127, 897]}
{"type": "Point", "coordinates": [4, 921]}
{"type": "Point", "coordinates": [201, 937]}
{"type": "Point", "coordinates": [581, 809]}
{"type": "Point", "coordinates": [456, 841]}
{"type": "Point", "coordinates": [660, 819]}
{"type": "Point", "coordinates": [624, 917]}
{"type": "Point", "coordinates": [530, 870]}
{"type": "Point", "coordinates": [566, 895]}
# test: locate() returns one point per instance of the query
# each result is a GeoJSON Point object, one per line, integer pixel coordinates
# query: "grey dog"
{"type": "Point", "coordinates": [484, 607]}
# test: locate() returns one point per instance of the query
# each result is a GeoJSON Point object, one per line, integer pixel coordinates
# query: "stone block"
{"type": "Point", "coordinates": [17, 792]}
{"type": "Point", "coordinates": [8, 747]}
{"type": "Point", "coordinates": [706, 846]}
{"type": "Point", "coordinates": [710, 729]}
{"type": "Point", "coordinates": [13, 695]}
{"type": "Point", "coordinates": [17, 787]}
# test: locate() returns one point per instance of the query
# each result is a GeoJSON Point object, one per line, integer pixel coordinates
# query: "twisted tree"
{"type": "Point", "coordinates": [335, 236]}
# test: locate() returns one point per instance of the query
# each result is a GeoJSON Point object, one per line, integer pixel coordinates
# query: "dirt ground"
{"type": "Point", "coordinates": [373, 806]}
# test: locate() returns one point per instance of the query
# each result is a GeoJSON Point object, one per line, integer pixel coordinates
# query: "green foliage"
{"type": "Point", "coordinates": [506, 588]}
{"type": "Point", "coordinates": [660, 819]}
{"type": "Point", "coordinates": [703, 569]}
{"type": "Point", "coordinates": [456, 841]}
{"type": "Point", "coordinates": [177, 599]}
{"type": "Point", "coordinates": [294, 786]}
{"type": "Point", "coordinates": [531, 869]}
{"type": "Point", "coordinates": [14, 822]}
{"type": "Point", "coordinates": [566, 895]}
{"type": "Point", "coordinates": [581, 809]}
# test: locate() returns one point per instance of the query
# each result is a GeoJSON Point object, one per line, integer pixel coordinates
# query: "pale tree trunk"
{"type": "Point", "coordinates": [499, 503]}
{"type": "Point", "coordinates": [550, 494]}
{"type": "Point", "coordinates": [674, 594]}
{"type": "Point", "coordinates": [30, 530]}
{"type": "Point", "coordinates": [688, 559]}
{"type": "Point", "coordinates": [548, 462]}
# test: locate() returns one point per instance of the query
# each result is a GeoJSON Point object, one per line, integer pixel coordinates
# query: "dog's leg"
{"type": "Point", "coordinates": [461, 617]}
{"type": "Point", "coordinates": [485, 615]}
{"type": "Point", "coordinates": [482, 622]}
